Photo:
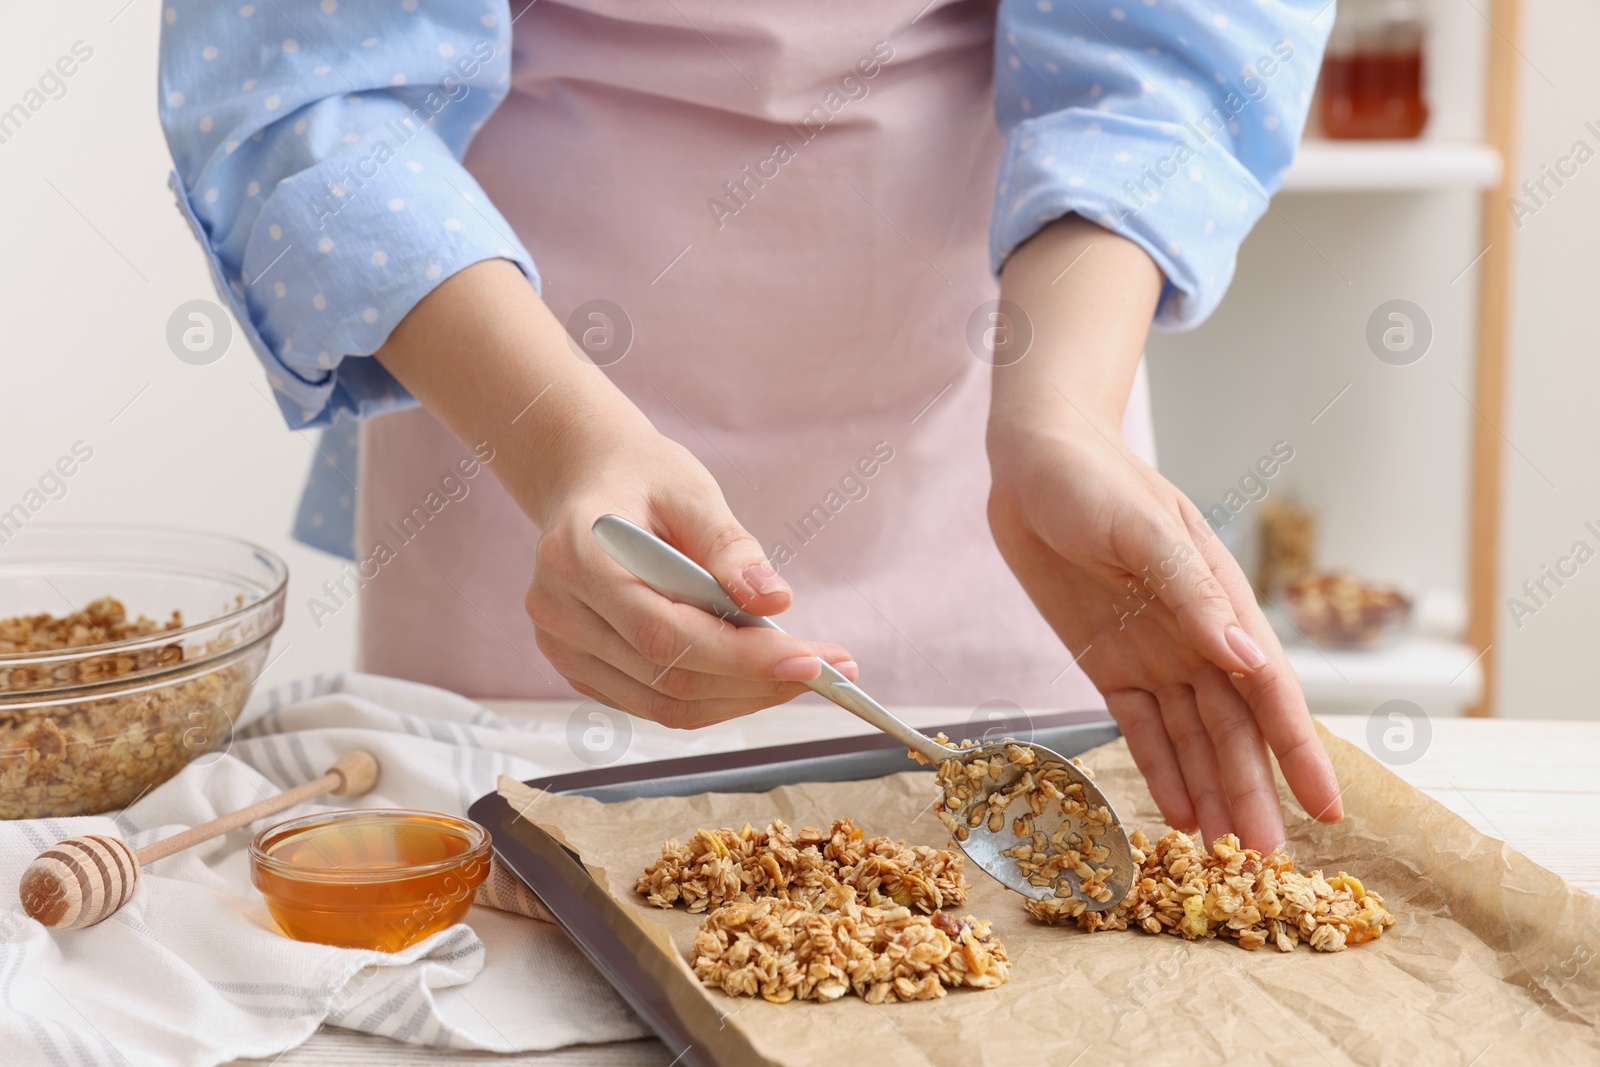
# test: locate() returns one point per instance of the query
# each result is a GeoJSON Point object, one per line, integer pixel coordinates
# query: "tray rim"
{"type": "Point", "coordinates": [699, 763]}
{"type": "Point", "coordinates": [592, 919]}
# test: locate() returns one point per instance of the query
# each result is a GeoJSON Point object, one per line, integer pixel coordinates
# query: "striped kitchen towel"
{"type": "Point", "coordinates": [193, 969]}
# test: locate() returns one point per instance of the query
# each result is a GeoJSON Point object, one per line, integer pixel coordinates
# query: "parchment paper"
{"type": "Point", "coordinates": [1492, 959]}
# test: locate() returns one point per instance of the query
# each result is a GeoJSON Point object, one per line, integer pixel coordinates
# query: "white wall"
{"type": "Point", "coordinates": [1549, 665]}
{"type": "Point", "coordinates": [1384, 468]}
{"type": "Point", "coordinates": [84, 301]}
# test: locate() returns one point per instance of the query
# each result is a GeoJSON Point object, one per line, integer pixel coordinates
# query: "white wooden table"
{"type": "Point", "coordinates": [1530, 783]}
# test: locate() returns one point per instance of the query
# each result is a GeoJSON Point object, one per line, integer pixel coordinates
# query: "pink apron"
{"type": "Point", "coordinates": [791, 205]}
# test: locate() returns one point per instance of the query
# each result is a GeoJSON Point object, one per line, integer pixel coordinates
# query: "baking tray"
{"type": "Point", "coordinates": [691, 1027]}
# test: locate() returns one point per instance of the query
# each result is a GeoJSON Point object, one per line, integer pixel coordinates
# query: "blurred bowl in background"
{"type": "Point", "coordinates": [91, 728]}
{"type": "Point", "coordinates": [1337, 609]}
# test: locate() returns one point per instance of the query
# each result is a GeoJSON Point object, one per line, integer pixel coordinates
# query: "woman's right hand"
{"type": "Point", "coordinates": [620, 642]}
{"type": "Point", "coordinates": [486, 357]}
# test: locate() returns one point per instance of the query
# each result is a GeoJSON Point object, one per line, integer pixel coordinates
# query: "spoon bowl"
{"type": "Point", "coordinates": [1051, 829]}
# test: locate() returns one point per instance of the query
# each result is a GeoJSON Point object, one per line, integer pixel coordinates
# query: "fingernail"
{"type": "Point", "coordinates": [764, 578]}
{"type": "Point", "coordinates": [1245, 648]}
{"type": "Point", "coordinates": [797, 669]}
{"type": "Point", "coordinates": [849, 668]}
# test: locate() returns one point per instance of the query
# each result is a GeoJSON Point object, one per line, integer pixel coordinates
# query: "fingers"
{"type": "Point", "coordinates": [1139, 717]}
{"type": "Point", "coordinates": [1206, 760]}
{"type": "Point", "coordinates": [1279, 706]}
{"type": "Point", "coordinates": [573, 627]}
{"type": "Point", "coordinates": [609, 633]}
{"type": "Point", "coordinates": [667, 634]}
{"type": "Point", "coordinates": [1191, 744]}
{"type": "Point", "coordinates": [574, 579]}
{"type": "Point", "coordinates": [598, 679]}
{"type": "Point", "coordinates": [662, 681]}
{"type": "Point", "coordinates": [675, 682]}
{"type": "Point", "coordinates": [1242, 757]}
{"type": "Point", "coordinates": [707, 533]}
{"type": "Point", "coordinates": [1169, 566]}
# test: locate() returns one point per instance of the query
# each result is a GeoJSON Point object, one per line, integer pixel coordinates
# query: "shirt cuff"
{"type": "Point", "coordinates": [327, 277]}
{"type": "Point", "coordinates": [1179, 194]}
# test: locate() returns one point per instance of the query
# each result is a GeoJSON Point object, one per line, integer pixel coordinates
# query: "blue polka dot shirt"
{"type": "Point", "coordinates": [317, 148]}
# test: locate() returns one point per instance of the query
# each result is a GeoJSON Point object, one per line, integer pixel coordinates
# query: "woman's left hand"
{"type": "Point", "coordinates": [1123, 566]}
{"type": "Point", "coordinates": [1158, 614]}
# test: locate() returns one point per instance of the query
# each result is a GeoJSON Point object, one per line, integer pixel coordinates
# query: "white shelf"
{"type": "Point", "coordinates": [1324, 166]}
{"type": "Point", "coordinates": [1442, 677]}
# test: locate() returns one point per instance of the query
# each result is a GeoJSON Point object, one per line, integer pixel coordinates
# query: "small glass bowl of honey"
{"type": "Point", "coordinates": [375, 878]}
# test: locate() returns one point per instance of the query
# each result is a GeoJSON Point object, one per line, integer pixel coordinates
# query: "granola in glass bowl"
{"type": "Point", "coordinates": [98, 705]}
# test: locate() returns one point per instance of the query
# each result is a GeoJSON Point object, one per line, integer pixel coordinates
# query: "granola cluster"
{"type": "Point", "coordinates": [101, 622]}
{"type": "Point", "coordinates": [101, 753]}
{"type": "Point", "coordinates": [724, 866]}
{"type": "Point", "coordinates": [817, 914]}
{"type": "Point", "coordinates": [785, 950]}
{"type": "Point", "coordinates": [970, 798]}
{"type": "Point", "coordinates": [1235, 893]}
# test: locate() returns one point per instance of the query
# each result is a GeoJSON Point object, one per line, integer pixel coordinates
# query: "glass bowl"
{"type": "Point", "coordinates": [92, 728]}
{"type": "Point", "coordinates": [1336, 609]}
{"type": "Point", "coordinates": [375, 878]}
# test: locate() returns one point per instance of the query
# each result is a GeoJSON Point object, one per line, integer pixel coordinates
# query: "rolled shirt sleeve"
{"type": "Point", "coordinates": [1170, 122]}
{"type": "Point", "coordinates": [317, 146]}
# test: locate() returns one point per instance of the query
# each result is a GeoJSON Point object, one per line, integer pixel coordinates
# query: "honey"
{"type": "Point", "coordinates": [377, 878]}
{"type": "Point", "coordinates": [1374, 96]}
{"type": "Point", "coordinates": [1372, 73]}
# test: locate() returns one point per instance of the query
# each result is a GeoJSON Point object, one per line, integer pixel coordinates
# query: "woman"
{"type": "Point", "coordinates": [763, 325]}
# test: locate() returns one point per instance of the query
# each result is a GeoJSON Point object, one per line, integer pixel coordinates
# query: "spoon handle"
{"type": "Point", "coordinates": [679, 578]}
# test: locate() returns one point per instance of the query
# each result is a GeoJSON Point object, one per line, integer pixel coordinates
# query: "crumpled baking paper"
{"type": "Point", "coordinates": [1492, 959]}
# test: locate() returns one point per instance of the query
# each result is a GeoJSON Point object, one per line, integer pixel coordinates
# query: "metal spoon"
{"type": "Point", "coordinates": [678, 578]}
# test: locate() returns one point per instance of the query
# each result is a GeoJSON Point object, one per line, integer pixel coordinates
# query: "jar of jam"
{"type": "Point", "coordinates": [1372, 73]}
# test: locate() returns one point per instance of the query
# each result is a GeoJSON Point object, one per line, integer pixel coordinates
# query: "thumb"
{"type": "Point", "coordinates": [1170, 567]}
{"type": "Point", "coordinates": [709, 534]}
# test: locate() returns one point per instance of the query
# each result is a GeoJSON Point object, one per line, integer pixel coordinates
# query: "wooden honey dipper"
{"type": "Point", "coordinates": [84, 880]}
